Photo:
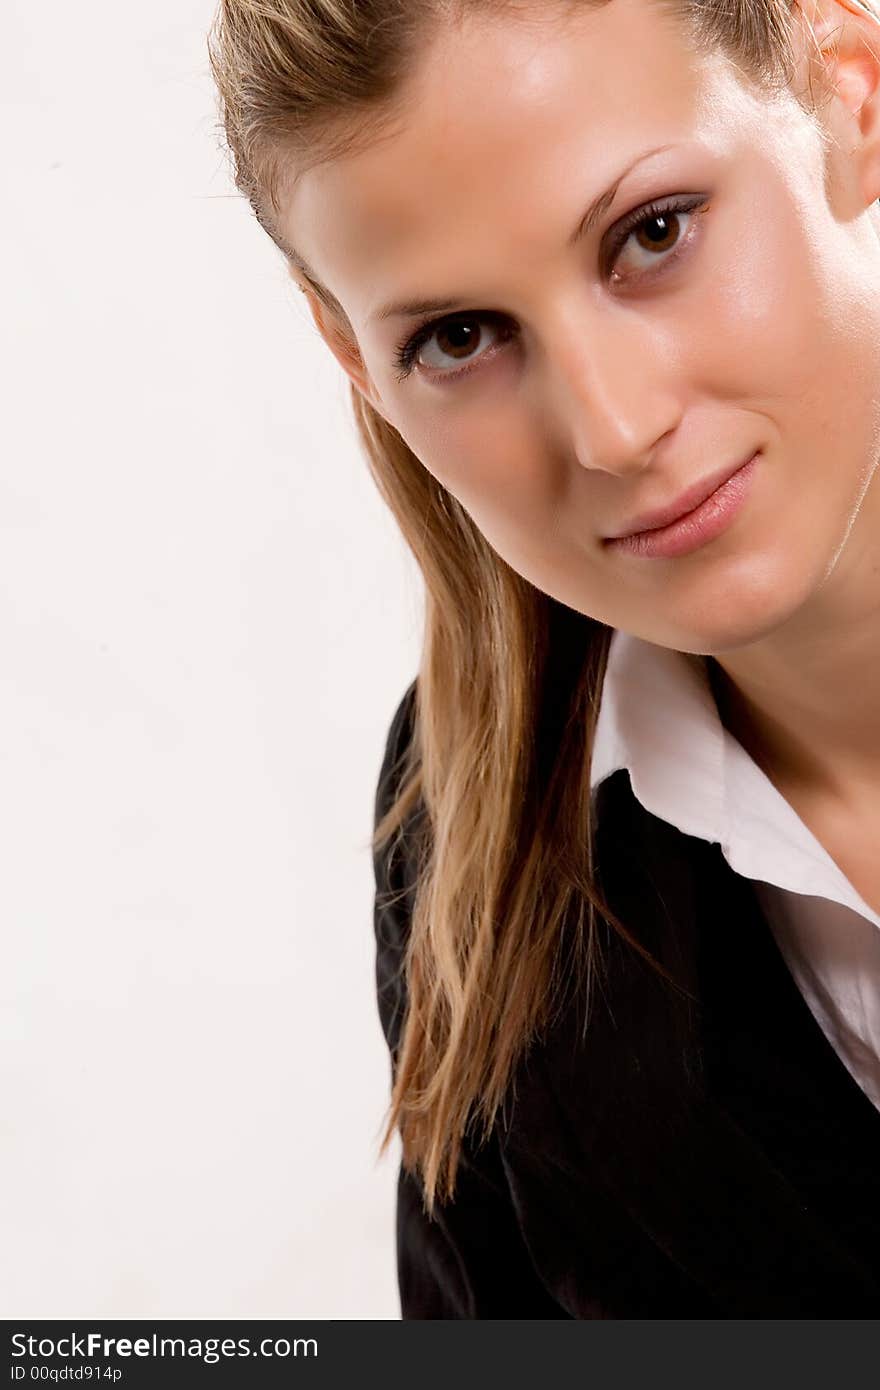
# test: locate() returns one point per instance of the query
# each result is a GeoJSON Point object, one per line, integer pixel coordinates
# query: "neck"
{"type": "Point", "coordinates": [805, 701]}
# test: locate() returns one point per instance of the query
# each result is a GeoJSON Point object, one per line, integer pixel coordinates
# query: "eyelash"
{"type": "Point", "coordinates": [405, 352]}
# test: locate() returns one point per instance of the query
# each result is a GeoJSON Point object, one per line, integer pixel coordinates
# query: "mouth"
{"type": "Point", "coordinates": [687, 502]}
{"type": "Point", "coordinates": [699, 523]}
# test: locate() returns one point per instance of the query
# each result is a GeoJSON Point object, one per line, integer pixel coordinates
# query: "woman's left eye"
{"type": "Point", "coordinates": [656, 227]}
{"type": "Point", "coordinates": [656, 231]}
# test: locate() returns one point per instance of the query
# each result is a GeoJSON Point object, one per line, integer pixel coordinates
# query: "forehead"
{"type": "Point", "coordinates": [504, 117]}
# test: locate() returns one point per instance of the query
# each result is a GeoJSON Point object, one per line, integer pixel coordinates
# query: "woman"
{"type": "Point", "coordinates": [589, 268]}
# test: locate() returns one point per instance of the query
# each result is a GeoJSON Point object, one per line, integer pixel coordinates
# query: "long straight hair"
{"type": "Point", "coordinates": [509, 680]}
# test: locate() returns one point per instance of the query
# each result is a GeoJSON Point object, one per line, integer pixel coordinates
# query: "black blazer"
{"type": "Point", "coordinates": [689, 1159]}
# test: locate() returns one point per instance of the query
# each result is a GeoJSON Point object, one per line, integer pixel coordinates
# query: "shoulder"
{"type": "Point", "coordinates": [394, 869]}
{"type": "Point", "coordinates": [397, 740]}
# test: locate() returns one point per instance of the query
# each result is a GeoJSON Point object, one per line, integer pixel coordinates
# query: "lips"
{"type": "Point", "coordinates": [686, 502]}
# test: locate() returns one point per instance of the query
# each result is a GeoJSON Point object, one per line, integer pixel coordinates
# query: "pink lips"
{"type": "Point", "coordinates": [708, 516]}
{"type": "Point", "coordinates": [689, 499]}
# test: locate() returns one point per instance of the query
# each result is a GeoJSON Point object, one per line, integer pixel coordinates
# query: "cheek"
{"type": "Point", "coordinates": [491, 458]}
{"type": "Point", "coordinates": [755, 315]}
{"type": "Point", "coordinates": [784, 330]}
{"type": "Point", "coordinates": [485, 453]}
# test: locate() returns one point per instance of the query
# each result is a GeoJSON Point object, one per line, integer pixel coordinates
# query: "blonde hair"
{"type": "Point", "coordinates": [507, 691]}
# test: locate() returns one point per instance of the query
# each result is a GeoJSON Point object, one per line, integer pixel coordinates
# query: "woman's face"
{"type": "Point", "coordinates": [570, 385]}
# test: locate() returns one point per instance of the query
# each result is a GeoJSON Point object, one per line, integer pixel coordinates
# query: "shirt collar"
{"type": "Point", "coordinates": [659, 720]}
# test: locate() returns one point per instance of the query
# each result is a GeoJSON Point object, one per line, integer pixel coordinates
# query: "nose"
{"type": "Point", "coordinates": [614, 395]}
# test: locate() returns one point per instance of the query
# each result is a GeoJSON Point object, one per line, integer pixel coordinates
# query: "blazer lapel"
{"type": "Point", "coordinates": [630, 1151]}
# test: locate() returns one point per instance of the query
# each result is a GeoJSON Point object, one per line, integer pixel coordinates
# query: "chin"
{"type": "Point", "coordinates": [744, 603]}
{"type": "Point", "coordinates": [750, 608]}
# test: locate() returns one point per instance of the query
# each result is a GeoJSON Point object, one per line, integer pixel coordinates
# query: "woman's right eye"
{"type": "Point", "coordinates": [459, 336]}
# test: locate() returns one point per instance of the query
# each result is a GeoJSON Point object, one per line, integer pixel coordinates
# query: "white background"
{"type": "Point", "coordinates": [207, 618]}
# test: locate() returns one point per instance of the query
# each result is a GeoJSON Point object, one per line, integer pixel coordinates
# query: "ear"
{"type": "Point", "coordinates": [846, 53]}
{"type": "Point", "coordinates": [334, 327]}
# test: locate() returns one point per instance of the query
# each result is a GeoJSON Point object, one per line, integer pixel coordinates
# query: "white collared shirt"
{"type": "Point", "coordinates": [659, 719]}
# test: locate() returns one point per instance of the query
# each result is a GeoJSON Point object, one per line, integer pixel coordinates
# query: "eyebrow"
{"type": "Point", "coordinates": [415, 308]}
